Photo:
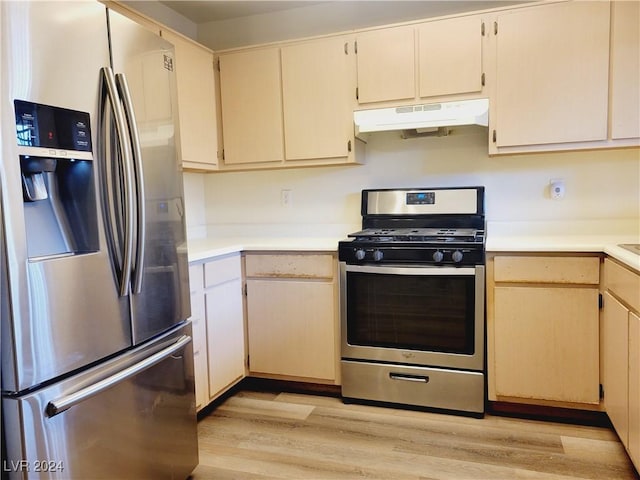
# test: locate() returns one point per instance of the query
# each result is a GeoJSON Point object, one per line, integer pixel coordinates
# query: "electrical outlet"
{"type": "Point", "coordinates": [286, 198]}
{"type": "Point", "coordinates": [556, 188]}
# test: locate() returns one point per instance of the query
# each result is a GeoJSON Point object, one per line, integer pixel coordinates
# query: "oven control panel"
{"type": "Point", "coordinates": [450, 255]}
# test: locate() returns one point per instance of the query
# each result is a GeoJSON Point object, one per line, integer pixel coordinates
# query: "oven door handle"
{"type": "Point", "coordinates": [409, 378]}
{"type": "Point", "coordinates": [423, 270]}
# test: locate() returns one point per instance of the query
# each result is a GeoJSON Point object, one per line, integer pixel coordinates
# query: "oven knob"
{"type": "Point", "coordinates": [438, 256]}
{"type": "Point", "coordinates": [456, 256]}
{"type": "Point", "coordinates": [359, 254]}
{"type": "Point", "coordinates": [377, 255]}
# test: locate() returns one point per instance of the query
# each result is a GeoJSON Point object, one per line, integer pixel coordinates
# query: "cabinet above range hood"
{"type": "Point", "coordinates": [430, 118]}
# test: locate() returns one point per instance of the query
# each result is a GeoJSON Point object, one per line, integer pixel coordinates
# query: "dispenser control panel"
{"type": "Point", "coordinates": [40, 125]}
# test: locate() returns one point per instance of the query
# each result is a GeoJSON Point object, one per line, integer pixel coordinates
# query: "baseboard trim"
{"type": "Point", "coordinates": [548, 413]}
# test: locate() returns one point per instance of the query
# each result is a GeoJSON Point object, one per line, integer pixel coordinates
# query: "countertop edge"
{"type": "Point", "coordinates": [203, 249]}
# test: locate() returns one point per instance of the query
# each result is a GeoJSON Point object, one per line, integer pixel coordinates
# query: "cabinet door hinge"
{"type": "Point", "coordinates": [482, 79]}
{"type": "Point", "coordinates": [355, 47]}
{"type": "Point", "coordinates": [357, 97]}
{"type": "Point", "coordinates": [346, 48]}
{"type": "Point", "coordinates": [601, 392]}
{"type": "Point", "coordinates": [349, 146]}
{"type": "Point", "coordinates": [495, 28]}
{"type": "Point", "coordinates": [223, 154]}
{"type": "Point", "coordinates": [600, 301]}
{"type": "Point", "coordinates": [217, 64]}
{"type": "Point", "coordinates": [482, 29]}
{"type": "Point", "coordinates": [244, 289]}
{"type": "Point", "coordinates": [494, 137]}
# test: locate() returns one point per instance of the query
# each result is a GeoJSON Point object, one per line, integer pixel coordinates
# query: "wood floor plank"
{"type": "Point", "coordinates": [295, 436]}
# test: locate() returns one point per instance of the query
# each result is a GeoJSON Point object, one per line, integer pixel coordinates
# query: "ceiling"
{"type": "Point", "coordinates": [203, 11]}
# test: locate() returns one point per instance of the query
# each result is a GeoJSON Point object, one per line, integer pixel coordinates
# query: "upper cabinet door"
{"type": "Point", "coordinates": [552, 74]}
{"type": "Point", "coordinates": [386, 64]}
{"type": "Point", "coordinates": [450, 56]}
{"type": "Point", "coordinates": [196, 86]}
{"type": "Point", "coordinates": [251, 98]}
{"type": "Point", "coordinates": [625, 70]}
{"type": "Point", "coordinates": [318, 85]}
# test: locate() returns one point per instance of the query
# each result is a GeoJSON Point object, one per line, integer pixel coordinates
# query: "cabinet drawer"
{"type": "Point", "coordinates": [222, 270]}
{"type": "Point", "coordinates": [623, 283]}
{"type": "Point", "coordinates": [195, 277]}
{"type": "Point", "coordinates": [290, 265]}
{"type": "Point", "coordinates": [541, 269]}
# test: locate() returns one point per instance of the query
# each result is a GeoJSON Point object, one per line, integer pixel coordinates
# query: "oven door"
{"type": "Point", "coordinates": [415, 315]}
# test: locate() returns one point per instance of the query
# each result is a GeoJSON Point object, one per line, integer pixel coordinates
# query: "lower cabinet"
{"type": "Point", "coordinates": [543, 329]}
{"type": "Point", "coordinates": [292, 316]}
{"type": "Point", "coordinates": [218, 326]}
{"type": "Point", "coordinates": [621, 354]}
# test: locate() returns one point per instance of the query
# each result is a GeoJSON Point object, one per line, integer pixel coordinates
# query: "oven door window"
{"type": "Point", "coordinates": [416, 312]}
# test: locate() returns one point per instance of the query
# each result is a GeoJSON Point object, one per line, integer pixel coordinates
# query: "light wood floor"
{"type": "Point", "coordinates": [256, 435]}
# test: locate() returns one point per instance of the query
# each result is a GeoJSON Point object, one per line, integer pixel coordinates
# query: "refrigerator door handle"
{"type": "Point", "coordinates": [109, 87]}
{"type": "Point", "coordinates": [138, 265]}
{"type": "Point", "coordinates": [59, 405]}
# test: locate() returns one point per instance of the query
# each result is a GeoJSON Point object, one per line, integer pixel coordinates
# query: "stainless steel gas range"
{"type": "Point", "coordinates": [412, 300]}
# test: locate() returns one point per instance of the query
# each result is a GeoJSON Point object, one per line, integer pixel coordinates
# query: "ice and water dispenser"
{"type": "Point", "coordinates": [57, 170]}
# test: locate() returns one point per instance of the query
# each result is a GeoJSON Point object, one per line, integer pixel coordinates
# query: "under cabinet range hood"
{"type": "Point", "coordinates": [430, 117]}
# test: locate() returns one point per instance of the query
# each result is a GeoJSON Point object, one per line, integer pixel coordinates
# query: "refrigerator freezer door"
{"type": "Point", "coordinates": [65, 312]}
{"type": "Point", "coordinates": [135, 415]}
{"type": "Point", "coordinates": [146, 62]}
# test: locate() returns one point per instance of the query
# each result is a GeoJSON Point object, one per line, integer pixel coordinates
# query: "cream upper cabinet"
{"type": "Point", "coordinates": [625, 70]}
{"type": "Point", "coordinates": [290, 105]}
{"type": "Point", "coordinates": [386, 64]}
{"type": "Point", "coordinates": [543, 329]}
{"type": "Point", "coordinates": [318, 83]}
{"type": "Point", "coordinates": [552, 74]}
{"type": "Point", "coordinates": [197, 120]}
{"type": "Point", "coordinates": [450, 56]}
{"type": "Point", "coordinates": [413, 62]}
{"type": "Point", "coordinates": [251, 105]}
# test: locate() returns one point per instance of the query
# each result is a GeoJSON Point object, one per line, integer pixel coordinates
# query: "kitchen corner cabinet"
{"type": "Point", "coordinates": [218, 326]}
{"type": "Point", "coordinates": [621, 354]}
{"type": "Point", "coordinates": [430, 59]}
{"type": "Point", "coordinates": [552, 76]}
{"type": "Point", "coordinates": [289, 105]}
{"type": "Point", "coordinates": [543, 329]}
{"type": "Point", "coordinates": [292, 318]}
{"type": "Point", "coordinates": [197, 111]}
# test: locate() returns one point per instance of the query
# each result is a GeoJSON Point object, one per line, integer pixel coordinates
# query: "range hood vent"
{"type": "Point", "coordinates": [427, 116]}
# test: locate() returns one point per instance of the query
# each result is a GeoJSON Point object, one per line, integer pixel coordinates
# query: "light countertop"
{"type": "Point", "coordinates": [201, 249]}
{"type": "Point", "coordinates": [580, 236]}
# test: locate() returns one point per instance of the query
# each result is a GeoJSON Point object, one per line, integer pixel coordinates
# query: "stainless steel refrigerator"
{"type": "Point", "coordinates": [97, 363]}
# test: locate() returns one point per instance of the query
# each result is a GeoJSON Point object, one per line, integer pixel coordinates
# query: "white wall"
{"type": "Point", "coordinates": [601, 184]}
